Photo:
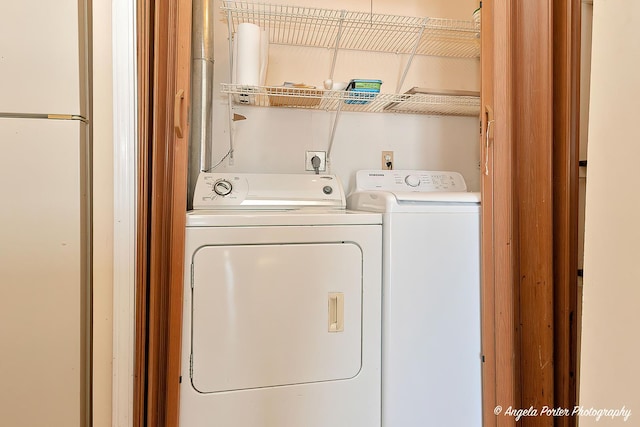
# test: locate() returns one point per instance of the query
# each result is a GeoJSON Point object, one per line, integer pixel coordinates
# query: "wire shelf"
{"type": "Point", "coordinates": [333, 100]}
{"type": "Point", "coordinates": [329, 28]}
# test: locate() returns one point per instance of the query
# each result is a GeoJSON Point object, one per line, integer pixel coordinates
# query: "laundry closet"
{"type": "Point", "coordinates": [295, 309]}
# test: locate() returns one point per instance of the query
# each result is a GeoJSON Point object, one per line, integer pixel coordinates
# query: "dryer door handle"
{"type": "Point", "coordinates": [336, 312]}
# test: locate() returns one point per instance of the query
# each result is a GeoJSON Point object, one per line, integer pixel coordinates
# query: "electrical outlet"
{"type": "Point", "coordinates": [387, 160]}
{"type": "Point", "coordinates": [322, 155]}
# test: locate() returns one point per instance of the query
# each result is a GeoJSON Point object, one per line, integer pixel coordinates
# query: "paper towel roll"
{"type": "Point", "coordinates": [248, 58]}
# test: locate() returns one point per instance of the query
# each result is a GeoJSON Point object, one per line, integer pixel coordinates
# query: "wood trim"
{"type": "Point", "coordinates": [533, 142]}
{"type": "Point", "coordinates": [567, 32]}
{"type": "Point", "coordinates": [144, 29]}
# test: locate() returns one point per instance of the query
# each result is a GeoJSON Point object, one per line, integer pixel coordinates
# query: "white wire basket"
{"type": "Point", "coordinates": [330, 28]}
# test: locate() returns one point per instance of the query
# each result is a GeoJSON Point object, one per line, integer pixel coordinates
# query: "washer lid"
{"type": "Point", "coordinates": [242, 191]}
{"type": "Point", "coordinates": [384, 201]}
{"type": "Point", "coordinates": [437, 197]}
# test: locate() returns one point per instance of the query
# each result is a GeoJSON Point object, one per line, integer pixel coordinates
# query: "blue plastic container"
{"type": "Point", "coordinates": [362, 91]}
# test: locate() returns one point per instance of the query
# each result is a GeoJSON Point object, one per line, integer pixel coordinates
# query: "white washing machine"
{"type": "Point", "coordinates": [282, 305]}
{"type": "Point", "coordinates": [431, 357]}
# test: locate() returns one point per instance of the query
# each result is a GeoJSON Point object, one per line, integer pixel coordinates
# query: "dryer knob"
{"type": "Point", "coordinates": [222, 187]}
{"type": "Point", "coordinates": [412, 180]}
{"type": "Point", "coordinates": [327, 189]}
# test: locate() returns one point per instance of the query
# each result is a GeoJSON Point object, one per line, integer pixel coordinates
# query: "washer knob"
{"type": "Point", "coordinates": [222, 187]}
{"type": "Point", "coordinates": [412, 180]}
{"type": "Point", "coordinates": [327, 189]}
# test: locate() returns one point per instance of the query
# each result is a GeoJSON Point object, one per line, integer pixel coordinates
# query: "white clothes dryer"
{"type": "Point", "coordinates": [282, 305]}
{"type": "Point", "coordinates": [431, 351]}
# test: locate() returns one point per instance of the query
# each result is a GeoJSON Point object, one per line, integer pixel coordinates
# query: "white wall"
{"type": "Point", "coordinates": [102, 213]}
{"type": "Point", "coordinates": [275, 139]}
{"type": "Point", "coordinates": [610, 373]}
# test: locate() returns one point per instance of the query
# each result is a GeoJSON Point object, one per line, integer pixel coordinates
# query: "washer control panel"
{"type": "Point", "coordinates": [410, 180]}
{"type": "Point", "coordinates": [267, 191]}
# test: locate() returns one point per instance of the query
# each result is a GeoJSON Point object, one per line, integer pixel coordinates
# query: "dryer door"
{"type": "Point", "coordinates": [275, 315]}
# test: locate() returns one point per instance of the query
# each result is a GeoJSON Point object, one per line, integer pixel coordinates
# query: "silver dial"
{"type": "Point", "coordinates": [222, 187]}
{"type": "Point", "coordinates": [412, 180]}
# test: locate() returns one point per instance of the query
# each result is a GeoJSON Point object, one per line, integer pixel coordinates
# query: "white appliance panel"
{"type": "Point", "coordinates": [410, 180]}
{"type": "Point", "coordinates": [352, 402]}
{"type": "Point", "coordinates": [431, 332]}
{"type": "Point", "coordinates": [43, 271]}
{"type": "Point", "coordinates": [41, 57]}
{"type": "Point", "coordinates": [261, 318]}
{"type": "Point", "coordinates": [247, 191]}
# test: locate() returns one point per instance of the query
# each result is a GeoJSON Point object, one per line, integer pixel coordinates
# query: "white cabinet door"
{"type": "Point", "coordinates": [263, 315]}
{"type": "Point", "coordinates": [43, 267]}
{"type": "Point", "coordinates": [40, 57]}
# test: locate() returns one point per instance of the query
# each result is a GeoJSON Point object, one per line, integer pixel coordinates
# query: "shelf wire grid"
{"type": "Point", "coordinates": [330, 100]}
{"type": "Point", "coordinates": [316, 27]}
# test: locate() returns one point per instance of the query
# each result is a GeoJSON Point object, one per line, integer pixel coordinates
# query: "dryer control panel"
{"type": "Point", "coordinates": [267, 191]}
{"type": "Point", "coordinates": [410, 180]}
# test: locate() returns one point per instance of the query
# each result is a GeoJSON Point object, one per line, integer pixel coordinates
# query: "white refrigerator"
{"type": "Point", "coordinates": [45, 214]}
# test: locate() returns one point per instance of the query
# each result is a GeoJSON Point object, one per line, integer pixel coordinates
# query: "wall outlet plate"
{"type": "Point", "coordinates": [323, 160]}
{"type": "Point", "coordinates": [387, 160]}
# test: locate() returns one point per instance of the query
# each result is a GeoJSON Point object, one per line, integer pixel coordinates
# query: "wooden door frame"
{"type": "Point", "coordinates": [530, 99]}
{"type": "Point", "coordinates": [529, 209]}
